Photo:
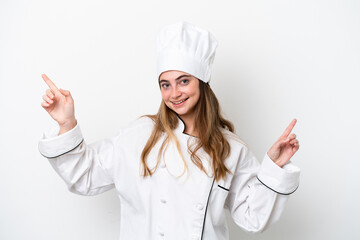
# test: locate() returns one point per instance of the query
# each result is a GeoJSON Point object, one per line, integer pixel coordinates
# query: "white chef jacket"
{"type": "Point", "coordinates": [168, 205]}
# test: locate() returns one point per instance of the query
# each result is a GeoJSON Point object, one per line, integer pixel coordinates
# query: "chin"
{"type": "Point", "coordinates": [180, 113]}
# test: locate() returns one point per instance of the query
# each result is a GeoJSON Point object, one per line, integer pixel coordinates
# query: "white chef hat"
{"type": "Point", "coordinates": [187, 48]}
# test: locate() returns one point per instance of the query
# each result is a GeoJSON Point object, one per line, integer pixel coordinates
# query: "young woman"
{"type": "Point", "coordinates": [177, 171]}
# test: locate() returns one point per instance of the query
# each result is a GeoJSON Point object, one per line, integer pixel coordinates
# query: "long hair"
{"type": "Point", "coordinates": [209, 124]}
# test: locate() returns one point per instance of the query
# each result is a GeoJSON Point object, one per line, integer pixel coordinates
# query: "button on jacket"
{"type": "Point", "coordinates": [174, 203]}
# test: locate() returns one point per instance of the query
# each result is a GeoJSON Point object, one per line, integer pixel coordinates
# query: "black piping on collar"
{"type": "Point", "coordinates": [183, 123]}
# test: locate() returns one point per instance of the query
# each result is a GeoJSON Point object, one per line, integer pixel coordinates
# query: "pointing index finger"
{"type": "Point", "coordinates": [51, 85]}
{"type": "Point", "coordinates": [289, 129]}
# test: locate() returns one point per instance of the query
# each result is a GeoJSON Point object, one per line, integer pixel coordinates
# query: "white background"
{"type": "Point", "coordinates": [276, 60]}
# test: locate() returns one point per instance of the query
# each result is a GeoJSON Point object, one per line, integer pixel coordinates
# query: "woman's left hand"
{"type": "Point", "coordinates": [285, 147]}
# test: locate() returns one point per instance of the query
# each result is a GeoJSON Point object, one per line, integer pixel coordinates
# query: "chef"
{"type": "Point", "coordinates": [178, 171]}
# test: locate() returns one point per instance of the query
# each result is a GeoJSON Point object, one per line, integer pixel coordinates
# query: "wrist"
{"type": "Point", "coordinates": [67, 126]}
{"type": "Point", "coordinates": [276, 161]}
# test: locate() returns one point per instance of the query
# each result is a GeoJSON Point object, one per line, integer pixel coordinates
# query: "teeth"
{"type": "Point", "coordinates": [180, 101]}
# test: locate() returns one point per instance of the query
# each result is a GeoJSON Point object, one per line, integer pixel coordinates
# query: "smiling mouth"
{"type": "Point", "coordinates": [179, 102]}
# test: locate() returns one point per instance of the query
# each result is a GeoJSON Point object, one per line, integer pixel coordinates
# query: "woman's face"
{"type": "Point", "coordinates": [180, 91]}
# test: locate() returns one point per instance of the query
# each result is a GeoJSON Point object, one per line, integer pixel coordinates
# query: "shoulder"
{"type": "Point", "coordinates": [233, 139]}
{"type": "Point", "coordinates": [240, 152]}
{"type": "Point", "coordinates": [142, 125]}
{"type": "Point", "coordinates": [239, 149]}
{"type": "Point", "coordinates": [142, 122]}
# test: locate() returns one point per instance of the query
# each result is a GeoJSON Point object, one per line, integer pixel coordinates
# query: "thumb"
{"type": "Point", "coordinates": [279, 144]}
{"type": "Point", "coordinates": [64, 92]}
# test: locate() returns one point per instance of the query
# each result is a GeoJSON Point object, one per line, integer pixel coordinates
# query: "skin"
{"type": "Point", "coordinates": [60, 105]}
{"type": "Point", "coordinates": [285, 147]}
{"type": "Point", "coordinates": [175, 86]}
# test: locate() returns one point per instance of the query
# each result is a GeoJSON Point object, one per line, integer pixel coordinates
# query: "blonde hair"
{"type": "Point", "coordinates": [209, 123]}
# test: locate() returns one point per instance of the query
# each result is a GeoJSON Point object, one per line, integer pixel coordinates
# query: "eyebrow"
{"type": "Point", "coordinates": [184, 75]}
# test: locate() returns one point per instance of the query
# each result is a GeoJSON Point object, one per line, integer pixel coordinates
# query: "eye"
{"type": "Point", "coordinates": [165, 85]}
{"type": "Point", "coordinates": [184, 81]}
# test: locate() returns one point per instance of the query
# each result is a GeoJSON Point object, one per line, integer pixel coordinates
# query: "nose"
{"type": "Point", "coordinates": [175, 93]}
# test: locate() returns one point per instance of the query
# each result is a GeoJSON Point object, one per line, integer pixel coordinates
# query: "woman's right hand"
{"type": "Point", "coordinates": [60, 105]}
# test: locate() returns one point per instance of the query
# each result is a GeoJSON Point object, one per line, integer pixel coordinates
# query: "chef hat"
{"type": "Point", "coordinates": [187, 48]}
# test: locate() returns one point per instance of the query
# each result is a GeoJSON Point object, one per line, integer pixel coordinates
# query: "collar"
{"type": "Point", "coordinates": [181, 128]}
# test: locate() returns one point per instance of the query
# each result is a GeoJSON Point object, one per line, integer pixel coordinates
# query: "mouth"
{"type": "Point", "coordinates": [178, 103]}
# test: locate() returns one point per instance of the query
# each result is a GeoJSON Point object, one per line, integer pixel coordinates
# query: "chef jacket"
{"type": "Point", "coordinates": [174, 203]}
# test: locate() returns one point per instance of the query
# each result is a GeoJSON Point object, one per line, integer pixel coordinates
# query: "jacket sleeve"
{"type": "Point", "coordinates": [258, 192]}
{"type": "Point", "coordinates": [84, 168]}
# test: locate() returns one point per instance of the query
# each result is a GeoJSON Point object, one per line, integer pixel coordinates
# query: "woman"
{"type": "Point", "coordinates": [177, 171]}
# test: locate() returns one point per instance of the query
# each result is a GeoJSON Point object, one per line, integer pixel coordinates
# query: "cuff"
{"type": "Point", "coordinates": [281, 180]}
{"type": "Point", "coordinates": [54, 146]}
